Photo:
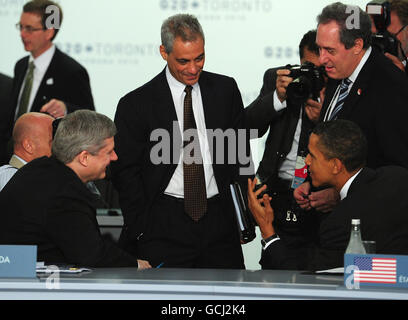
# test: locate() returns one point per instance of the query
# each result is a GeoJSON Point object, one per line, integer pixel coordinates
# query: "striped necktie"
{"type": "Point", "coordinates": [25, 96]}
{"type": "Point", "coordinates": [344, 90]}
{"type": "Point", "coordinates": [195, 194]}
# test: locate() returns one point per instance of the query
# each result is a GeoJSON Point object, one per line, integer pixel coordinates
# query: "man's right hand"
{"type": "Point", "coordinates": [143, 264]}
{"type": "Point", "coordinates": [301, 194]}
{"type": "Point", "coordinates": [282, 82]}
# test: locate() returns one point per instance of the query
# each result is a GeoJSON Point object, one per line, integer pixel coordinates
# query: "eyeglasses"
{"type": "Point", "coordinates": [55, 124]}
{"type": "Point", "coordinates": [27, 29]}
{"type": "Point", "coordinates": [400, 30]}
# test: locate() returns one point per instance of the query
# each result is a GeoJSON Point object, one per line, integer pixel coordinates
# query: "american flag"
{"type": "Point", "coordinates": [375, 270]}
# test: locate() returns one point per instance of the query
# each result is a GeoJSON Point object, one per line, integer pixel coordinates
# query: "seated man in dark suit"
{"type": "Point", "coordinates": [379, 198]}
{"type": "Point", "coordinates": [47, 203]}
{"type": "Point", "coordinates": [47, 80]}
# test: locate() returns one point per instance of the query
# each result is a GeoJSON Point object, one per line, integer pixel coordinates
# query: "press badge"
{"type": "Point", "coordinates": [300, 172]}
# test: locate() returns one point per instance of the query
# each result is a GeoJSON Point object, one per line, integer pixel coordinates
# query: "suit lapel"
{"type": "Point", "coordinates": [209, 103]}
{"type": "Point", "coordinates": [164, 110]}
{"type": "Point", "coordinates": [359, 88]}
{"type": "Point", "coordinates": [19, 81]}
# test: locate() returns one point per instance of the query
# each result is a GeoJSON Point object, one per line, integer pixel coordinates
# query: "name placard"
{"type": "Point", "coordinates": [18, 261]}
{"type": "Point", "coordinates": [375, 270]}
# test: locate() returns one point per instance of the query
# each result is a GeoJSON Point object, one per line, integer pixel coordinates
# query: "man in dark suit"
{"type": "Point", "coordinates": [48, 80]}
{"type": "Point", "coordinates": [364, 87]}
{"type": "Point", "coordinates": [379, 198]}
{"type": "Point", "coordinates": [46, 203]}
{"type": "Point", "coordinates": [164, 222]}
{"type": "Point", "coordinates": [6, 84]}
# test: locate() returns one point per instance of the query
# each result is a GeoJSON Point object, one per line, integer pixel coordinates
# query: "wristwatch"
{"type": "Point", "coordinates": [264, 242]}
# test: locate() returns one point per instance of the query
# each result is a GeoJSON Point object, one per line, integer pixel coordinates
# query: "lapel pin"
{"type": "Point", "coordinates": [50, 81]}
{"type": "Point", "coordinates": [359, 92]}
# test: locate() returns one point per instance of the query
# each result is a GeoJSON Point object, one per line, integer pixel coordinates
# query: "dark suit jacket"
{"type": "Point", "coordinates": [6, 84]}
{"type": "Point", "coordinates": [379, 198]}
{"type": "Point", "coordinates": [150, 107]}
{"type": "Point", "coordinates": [70, 83]}
{"type": "Point", "coordinates": [46, 204]}
{"type": "Point", "coordinates": [378, 103]}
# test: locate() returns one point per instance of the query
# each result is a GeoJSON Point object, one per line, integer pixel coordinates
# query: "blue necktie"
{"type": "Point", "coordinates": [344, 86]}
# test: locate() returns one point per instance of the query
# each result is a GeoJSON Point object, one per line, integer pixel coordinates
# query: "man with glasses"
{"type": "Point", "coordinates": [47, 80]}
{"type": "Point", "coordinates": [398, 27]}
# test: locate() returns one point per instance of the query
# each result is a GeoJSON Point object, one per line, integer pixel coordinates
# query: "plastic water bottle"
{"type": "Point", "coordinates": [355, 245]}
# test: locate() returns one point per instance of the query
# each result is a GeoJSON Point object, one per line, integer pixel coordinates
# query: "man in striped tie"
{"type": "Point", "coordinates": [364, 87]}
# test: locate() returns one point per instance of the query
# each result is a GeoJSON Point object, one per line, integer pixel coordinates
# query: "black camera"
{"type": "Point", "coordinates": [381, 14]}
{"type": "Point", "coordinates": [308, 81]}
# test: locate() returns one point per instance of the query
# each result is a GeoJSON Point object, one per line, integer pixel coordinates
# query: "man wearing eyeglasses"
{"type": "Point", "coordinates": [398, 27]}
{"type": "Point", "coordinates": [47, 80]}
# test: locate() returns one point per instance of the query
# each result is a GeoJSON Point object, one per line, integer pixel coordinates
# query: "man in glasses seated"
{"type": "Point", "coordinates": [398, 27]}
{"type": "Point", "coordinates": [47, 80]}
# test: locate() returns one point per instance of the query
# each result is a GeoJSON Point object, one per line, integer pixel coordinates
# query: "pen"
{"type": "Point", "coordinates": [160, 265]}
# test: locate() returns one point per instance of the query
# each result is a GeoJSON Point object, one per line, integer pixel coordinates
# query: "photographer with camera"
{"type": "Point", "coordinates": [390, 19]}
{"type": "Point", "coordinates": [288, 105]}
{"type": "Point", "coordinates": [364, 86]}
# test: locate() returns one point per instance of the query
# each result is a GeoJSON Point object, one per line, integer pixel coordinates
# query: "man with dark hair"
{"type": "Point", "coordinates": [178, 209]}
{"type": "Point", "coordinates": [379, 198]}
{"type": "Point", "coordinates": [47, 204]}
{"type": "Point", "coordinates": [48, 80]}
{"type": "Point", "coordinates": [289, 123]}
{"type": "Point", "coordinates": [398, 27]}
{"type": "Point", "coordinates": [364, 86]}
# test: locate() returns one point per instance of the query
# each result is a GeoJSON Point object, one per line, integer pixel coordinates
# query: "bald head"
{"type": "Point", "coordinates": [32, 136]}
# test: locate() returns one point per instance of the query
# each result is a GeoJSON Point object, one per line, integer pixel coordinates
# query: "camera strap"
{"type": "Point", "coordinates": [301, 167]}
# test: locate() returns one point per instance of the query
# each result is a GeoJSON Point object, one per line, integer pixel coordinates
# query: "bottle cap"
{"type": "Point", "coordinates": [355, 221]}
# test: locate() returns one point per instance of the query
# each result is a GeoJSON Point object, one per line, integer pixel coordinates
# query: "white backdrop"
{"type": "Point", "coordinates": [118, 43]}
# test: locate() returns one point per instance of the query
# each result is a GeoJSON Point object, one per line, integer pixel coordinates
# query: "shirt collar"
{"type": "Point", "coordinates": [363, 60]}
{"type": "Point", "coordinates": [346, 187]}
{"type": "Point", "coordinates": [43, 61]}
{"type": "Point", "coordinates": [175, 85]}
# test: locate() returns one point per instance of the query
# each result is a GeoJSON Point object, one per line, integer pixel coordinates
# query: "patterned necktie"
{"type": "Point", "coordinates": [25, 96]}
{"type": "Point", "coordinates": [195, 195]}
{"type": "Point", "coordinates": [344, 86]}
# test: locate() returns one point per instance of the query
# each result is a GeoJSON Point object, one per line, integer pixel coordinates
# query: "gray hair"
{"type": "Point", "coordinates": [185, 26]}
{"type": "Point", "coordinates": [337, 12]}
{"type": "Point", "coordinates": [79, 131]}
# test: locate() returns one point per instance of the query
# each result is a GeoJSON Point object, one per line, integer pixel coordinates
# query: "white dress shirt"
{"type": "Point", "coordinates": [176, 185]}
{"type": "Point", "coordinates": [7, 171]}
{"type": "Point", "coordinates": [344, 190]}
{"type": "Point", "coordinates": [41, 64]}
